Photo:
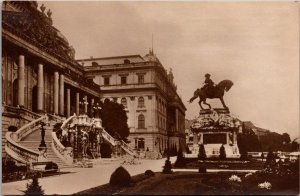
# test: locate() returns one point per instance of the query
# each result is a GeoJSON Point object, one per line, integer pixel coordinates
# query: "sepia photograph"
{"type": "Point", "coordinates": [150, 97]}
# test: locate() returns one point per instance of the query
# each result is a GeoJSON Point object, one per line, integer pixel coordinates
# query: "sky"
{"type": "Point", "coordinates": [254, 44]}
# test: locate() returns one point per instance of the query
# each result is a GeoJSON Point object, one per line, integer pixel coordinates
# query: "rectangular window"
{"type": "Point", "coordinates": [123, 79]}
{"type": "Point", "coordinates": [106, 81]}
{"type": "Point", "coordinates": [141, 143]}
{"type": "Point", "coordinates": [140, 79]}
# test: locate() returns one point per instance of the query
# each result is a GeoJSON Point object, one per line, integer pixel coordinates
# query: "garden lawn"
{"type": "Point", "coordinates": [188, 183]}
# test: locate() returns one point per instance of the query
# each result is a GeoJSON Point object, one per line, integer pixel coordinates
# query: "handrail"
{"type": "Point", "coordinates": [13, 149]}
{"type": "Point", "coordinates": [108, 137]}
{"type": "Point", "coordinates": [61, 151]}
{"type": "Point", "coordinates": [21, 110]}
{"type": "Point", "coordinates": [26, 129]}
{"type": "Point", "coordinates": [18, 151]}
{"type": "Point", "coordinates": [63, 126]}
{"type": "Point", "coordinates": [54, 118]}
{"type": "Point", "coordinates": [127, 148]}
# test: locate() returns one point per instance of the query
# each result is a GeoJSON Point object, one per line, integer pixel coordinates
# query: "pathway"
{"type": "Point", "coordinates": [82, 178]}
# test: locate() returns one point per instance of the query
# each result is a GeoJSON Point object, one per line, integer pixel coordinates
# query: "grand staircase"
{"type": "Point", "coordinates": [23, 144]}
{"type": "Point", "coordinates": [33, 140]}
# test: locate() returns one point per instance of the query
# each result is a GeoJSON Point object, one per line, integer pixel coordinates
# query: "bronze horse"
{"type": "Point", "coordinates": [214, 92]}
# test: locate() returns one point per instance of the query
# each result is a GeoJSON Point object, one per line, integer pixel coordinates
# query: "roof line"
{"type": "Point", "coordinates": [112, 57]}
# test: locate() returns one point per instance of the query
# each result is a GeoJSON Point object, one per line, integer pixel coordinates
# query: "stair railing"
{"type": "Point", "coordinates": [17, 151]}
{"type": "Point", "coordinates": [64, 153]}
{"type": "Point", "coordinates": [108, 137]}
{"type": "Point", "coordinates": [54, 118]}
{"type": "Point", "coordinates": [127, 148]}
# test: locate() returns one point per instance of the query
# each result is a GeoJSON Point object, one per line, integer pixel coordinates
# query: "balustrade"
{"type": "Point", "coordinates": [17, 151]}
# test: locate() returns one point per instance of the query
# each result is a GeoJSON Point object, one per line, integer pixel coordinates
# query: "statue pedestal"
{"type": "Point", "coordinates": [215, 128]}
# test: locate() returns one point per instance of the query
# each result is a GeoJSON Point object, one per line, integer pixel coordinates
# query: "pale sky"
{"type": "Point", "coordinates": [256, 45]}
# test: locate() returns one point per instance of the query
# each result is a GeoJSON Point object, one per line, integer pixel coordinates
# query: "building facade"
{"type": "Point", "coordinates": [155, 111]}
{"type": "Point", "coordinates": [39, 72]}
{"type": "Point", "coordinates": [41, 76]}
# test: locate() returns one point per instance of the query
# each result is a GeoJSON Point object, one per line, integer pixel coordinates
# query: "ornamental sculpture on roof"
{"type": "Point", "coordinates": [209, 91]}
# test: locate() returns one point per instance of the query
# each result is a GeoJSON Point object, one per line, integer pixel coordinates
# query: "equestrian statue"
{"type": "Point", "coordinates": [210, 91]}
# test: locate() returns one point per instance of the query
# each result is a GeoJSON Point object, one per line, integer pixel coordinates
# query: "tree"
{"type": "Point", "coordinates": [202, 153]}
{"type": "Point", "coordinates": [114, 119]}
{"type": "Point", "coordinates": [34, 188]}
{"type": "Point", "coordinates": [180, 161]}
{"type": "Point", "coordinates": [248, 142]}
{"type": "Point", "coordinates": [286, 138]}
{"type": "Point", "coordinates": [222, 152]}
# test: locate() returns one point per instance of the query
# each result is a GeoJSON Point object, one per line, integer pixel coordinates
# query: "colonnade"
{"type": "Point", "coordinates": [58, 91]}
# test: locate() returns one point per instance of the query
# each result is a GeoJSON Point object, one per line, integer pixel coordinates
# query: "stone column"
{"type": "Point", "coordinates": [68, 102]}
{"type": "Point", "coordinates": [21, 81]}
{"type": "Point", "coordinates": [77, 104]}
{"type": "Point", "coordinates": [40, 88]}
{"type": "Point", "coordinates": [56, 87]}
{"type": "Point", "coordinates": [61, 95]}
{"type": "Point", "coordinates": [85, 105]}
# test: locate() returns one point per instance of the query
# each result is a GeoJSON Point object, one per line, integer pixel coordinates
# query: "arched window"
{"type": "Point", "coordinates": [141, 102]}
{"type": "Point", "coordinates": [141, 121]}
{"type": "Point", "coordinates": [124, 102]}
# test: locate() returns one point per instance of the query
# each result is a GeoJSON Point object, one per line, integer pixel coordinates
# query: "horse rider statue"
{"type": "Point", "coordinates": [208, 84]}
{"type": "Point", "coordinates": [209, 91]}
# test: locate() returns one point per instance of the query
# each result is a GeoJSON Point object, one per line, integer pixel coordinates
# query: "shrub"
{"type": "Point", "coordinates": [202, 153]}
{"type": "Point", "coordinates": [149, 173]}
{"type": "Point", "coordinates": [202, 169]}
{"type": "Point", "coordinates": [167, 167]}
{"type": "Point", "coordinates": [34, 188]}
{"type": "Point", "coordinates": [51, 166]}
{"type": "Point", "coordinates": [180, 161]}
{"type": "Point", "coordinates": [222, 152]}
{"type": "Point", "coordinates": [120, 177]}
{"type": "Point", "coordinates": [270, 160]}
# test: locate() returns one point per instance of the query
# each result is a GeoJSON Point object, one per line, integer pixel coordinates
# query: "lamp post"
{"type": "Point", "coordinates": [97, 109]}
{"type": "Point", "coordinates": [83, 104]}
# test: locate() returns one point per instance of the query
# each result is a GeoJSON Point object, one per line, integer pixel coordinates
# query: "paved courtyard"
{"type": "Point", "coordinates": [82, 178]}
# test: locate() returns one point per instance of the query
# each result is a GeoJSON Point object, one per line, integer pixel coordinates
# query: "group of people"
{"type": "Point", "coordinates": [90, 139]}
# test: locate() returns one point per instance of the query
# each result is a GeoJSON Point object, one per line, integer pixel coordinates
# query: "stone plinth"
{"type": "Point", "coordinates": [214, 128]}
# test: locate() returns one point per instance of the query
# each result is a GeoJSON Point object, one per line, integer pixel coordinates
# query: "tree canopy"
{"type": "Point", "coordinates": [114, 119]}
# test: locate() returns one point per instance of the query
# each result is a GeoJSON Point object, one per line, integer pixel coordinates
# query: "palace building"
{"type": "Point", "coordinates": [143, 86]}
{"type": "Point", "coordinates": [41, 76]}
